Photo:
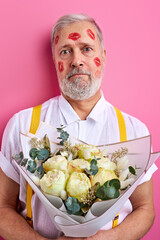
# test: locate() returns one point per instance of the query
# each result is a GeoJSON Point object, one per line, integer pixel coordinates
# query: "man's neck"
{"type": "Point", "coordinates": [84, 107]}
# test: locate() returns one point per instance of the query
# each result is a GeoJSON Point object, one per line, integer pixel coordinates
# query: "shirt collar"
{"type": "Point", "coordinates": [71, 116]}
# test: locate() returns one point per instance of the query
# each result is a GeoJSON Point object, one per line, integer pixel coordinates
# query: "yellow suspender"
{"type": "Point", "coordinates": [33, 128]}
{"type": "Point", "coordinates": [34, 125]}
{"type": "Point", "coordinates": [123, 137]}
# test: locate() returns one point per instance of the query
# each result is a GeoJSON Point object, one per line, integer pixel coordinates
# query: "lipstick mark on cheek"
{"type": "Point", "coordinates": [90, 34]}
{"type": "Point", "coordinates": [60, 67]}
{"type": "Point", "coordinates": [97, 61]}
{"type": "Point", "coordinates": [74, 36]}
{"type": "Point", "coordinates": [56, 39]}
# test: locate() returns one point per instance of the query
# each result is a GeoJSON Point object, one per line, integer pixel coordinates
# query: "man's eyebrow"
{"type": "Point", "coordinates": [80, 44]}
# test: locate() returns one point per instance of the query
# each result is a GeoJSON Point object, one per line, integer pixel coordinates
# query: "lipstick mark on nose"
{"type": "Point", "coordinates": [97, 61]}
{"type": "Point", "coordinates": [74, 36]}
{"type": "Point", "coordinates": [56, 39]}
{"type": "Point", "coordinates": [60, 67]}
{"type": "Point", "coordinates": [90, 34]}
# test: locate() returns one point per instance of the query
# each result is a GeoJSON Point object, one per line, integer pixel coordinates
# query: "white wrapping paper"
{"type": "Point", "coordinates": [139, 154]}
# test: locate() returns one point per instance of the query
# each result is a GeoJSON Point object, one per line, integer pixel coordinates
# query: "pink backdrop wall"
{"type": "Point", "coordinates": [131, 83]}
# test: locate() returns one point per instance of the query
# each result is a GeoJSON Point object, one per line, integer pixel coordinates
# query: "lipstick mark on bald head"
{"type": "Point", "coordinates": [56, 39]}
{"type": "Point", "coordinates": [91, 34]}
{"type": "Point", "coordinates": [97, 61]}
{"type": "Point", "coordinates": [74, 36]}
{"type": "Point", "coordinates": [60, 67]}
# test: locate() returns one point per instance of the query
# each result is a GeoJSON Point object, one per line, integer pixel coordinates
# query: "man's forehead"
{"type": "Point", "coordinates": [79, 27]}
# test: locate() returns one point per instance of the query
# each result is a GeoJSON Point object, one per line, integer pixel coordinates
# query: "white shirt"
{"type": "Point", "coordinates": [100, 127]}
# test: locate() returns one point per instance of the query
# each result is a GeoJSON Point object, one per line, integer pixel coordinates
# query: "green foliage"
{"type": "Point", "coordinates": [93, 167]}
{"type": "Point", "coordinates": [41, 154]}
{"type": "Point", "coordinates": [31, 166]}
{"type": "Point", "coordinates": [40, 171]}
{"type": "Point", "coordinates": [63, 135]}
{"type": "Point", "coordinates": [73, 206]}
{"type": "Point", "coordinates": [132, 170]}
{"type": "Point", "coordinates": [109, 190]}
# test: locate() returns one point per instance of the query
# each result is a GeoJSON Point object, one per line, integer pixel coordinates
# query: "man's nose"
{"type": "Point", "coordinates": [77, 60]}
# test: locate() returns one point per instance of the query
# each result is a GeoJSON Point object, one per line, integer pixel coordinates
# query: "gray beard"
{"type": "Point", "coordinates": [76, 89]}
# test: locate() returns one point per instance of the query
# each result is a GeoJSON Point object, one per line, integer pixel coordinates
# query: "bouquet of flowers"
{"type": "Point", "coordinates": [82, 186]}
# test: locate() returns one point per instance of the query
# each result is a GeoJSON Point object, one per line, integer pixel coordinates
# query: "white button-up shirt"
{"type": "Point", "coordinates": [100, 127]}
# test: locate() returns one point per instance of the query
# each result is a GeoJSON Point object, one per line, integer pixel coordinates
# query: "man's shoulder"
{"type": "Point", "coordinates": [134, 126]}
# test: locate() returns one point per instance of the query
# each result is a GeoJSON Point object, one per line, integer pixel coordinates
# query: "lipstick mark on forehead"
{"type": "Point", "coordinates": [74, 36]}
{"type": "Point", "coordinates": [97, 61]}
{"type": "Point", "coordinates": [56, 39]}
{"type": "Point", "coordinates": [60, 67]}
{"type": "Point", "coordinates": [91, 34]}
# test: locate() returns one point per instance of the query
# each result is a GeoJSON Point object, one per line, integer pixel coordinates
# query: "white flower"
{"type": "Point", "coordinates": [57, 162]}
{"type": "Point", "coordinates": [53, 182]}
{"type": "Point", "coordinates": [125, 183]}
{"type": "Point", "coordinates": [122, 163]}
{"type": "Point", "coordinates": [123, 174]}
{"type": "Point", "coordinates": [78, 165]}
{"type": "Point", "coordinates": [106, 164]}
{"type": "Point", "coordinates": [63, 195]}
{"type": "Point", "coordinates": [104, 152]}
{"type": "Point", "coordinates": [78, 185]}
{"type": "Point", "coordinates": [102, 176]}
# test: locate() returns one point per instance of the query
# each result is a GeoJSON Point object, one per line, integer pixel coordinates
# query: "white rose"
{"type": "Point", "coordinates": [57, 162]}
{"type": "Point", "coordinates": [78, 185]}
{"type": "Point", "coordinates": [106, 164]}
{"type": "Point", "coordinates": [78, 165]}
{"type": "Point", "coordinates": [53, 182]}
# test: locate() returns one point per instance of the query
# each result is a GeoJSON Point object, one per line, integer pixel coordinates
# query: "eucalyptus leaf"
{"type": "Point", "coordinates": [23, 162]}
{"type": "Point", "coordinates": [42, 154]}
{"type": "Point", "coordinates": [72, 205]}
{"type": "Point", "coordinates": [18, 156]}
{"type": "Point", "coordinates": [132, 170]}
{"type": "Point", "coordinates": [109, 190]}
{"type": "Point", "coordinates": [33, 153]}
{"type": "Point", "coordinates": [31, 167]}
{"type": "Point", "coordinates": [40, 170]}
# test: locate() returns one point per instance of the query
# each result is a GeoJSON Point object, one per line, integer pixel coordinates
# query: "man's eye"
{"type": "Point", "coordinates": [64, 52]}
{"type": "Point", "coordinates": [87, 49]}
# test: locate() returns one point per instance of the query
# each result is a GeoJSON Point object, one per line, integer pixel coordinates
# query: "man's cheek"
{"type": "Point", "coordinates": [97, 61]}
{"type": "Point", "coordinates": [98, 74]}
{"type": "Point", "coordinates": [60, 67]}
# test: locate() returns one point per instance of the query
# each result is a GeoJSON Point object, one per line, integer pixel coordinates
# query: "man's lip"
{"type": "Point", "coordinates": [78, 74]}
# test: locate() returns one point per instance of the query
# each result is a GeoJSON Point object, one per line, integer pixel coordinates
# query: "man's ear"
{"type": "Point", "coordinates": [104, 56]}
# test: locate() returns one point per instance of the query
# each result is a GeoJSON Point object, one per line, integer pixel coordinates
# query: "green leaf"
{"type": "Point", "coordinates": [72, 205]}
{"type": "Point", "coordinates": [19, 156]}
{"type": "Point", "coordinates": [31, 167]}
{"type": "Point", "coordinates": [109, 190]}
{"type": "Point", "coordinates": [93, 168]}
{"type": "Point", "coordinates": [40, 170]}
{"type": "Point", "coordinates": [63, 135]}
{"type": "Point", "coordinates": [33, 153]}
{"type": "Point", "coordinates": [42, 154]}
{"type": "Point", "coordinates": [23, 162]}
{"type": "Point", "coordinates": [132, 170]}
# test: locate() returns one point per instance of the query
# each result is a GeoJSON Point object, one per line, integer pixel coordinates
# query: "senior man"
{"type": "Point", "coordinates": [79, 57]}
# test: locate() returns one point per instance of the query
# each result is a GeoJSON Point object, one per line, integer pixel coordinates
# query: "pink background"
{"type": "Point", "coordinates": [131, 83]}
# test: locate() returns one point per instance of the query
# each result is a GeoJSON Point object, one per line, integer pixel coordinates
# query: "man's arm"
{"type": "Point", "coordinates": [136, 224]}
{"type": "Point", "coordinates": [13, 225]}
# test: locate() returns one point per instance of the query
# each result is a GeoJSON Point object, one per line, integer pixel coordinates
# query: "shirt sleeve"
{"type": "Point", "coordinates": [10, 146]}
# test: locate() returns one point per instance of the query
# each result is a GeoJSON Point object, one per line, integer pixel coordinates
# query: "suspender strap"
{"type": "Point", "coordinates": [33, 128]}
{"type": "Point", "coordinates": [123, 137]}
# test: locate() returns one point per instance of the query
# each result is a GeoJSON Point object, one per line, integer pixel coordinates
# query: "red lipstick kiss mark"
{"type": "Point", "coordinates": [74, 36]}
{"type": "Point", "coordinates": [91, 34]}
{"type": "Point", "coordinates": [97, 61]}
{"type": "Point", "coordinates": [60, 66]}
{"type": "Point", "coordinates": [56, 39]}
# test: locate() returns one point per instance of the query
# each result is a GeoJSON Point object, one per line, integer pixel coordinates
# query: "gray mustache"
{"type": "Point", "coordinates": [77, 70]}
